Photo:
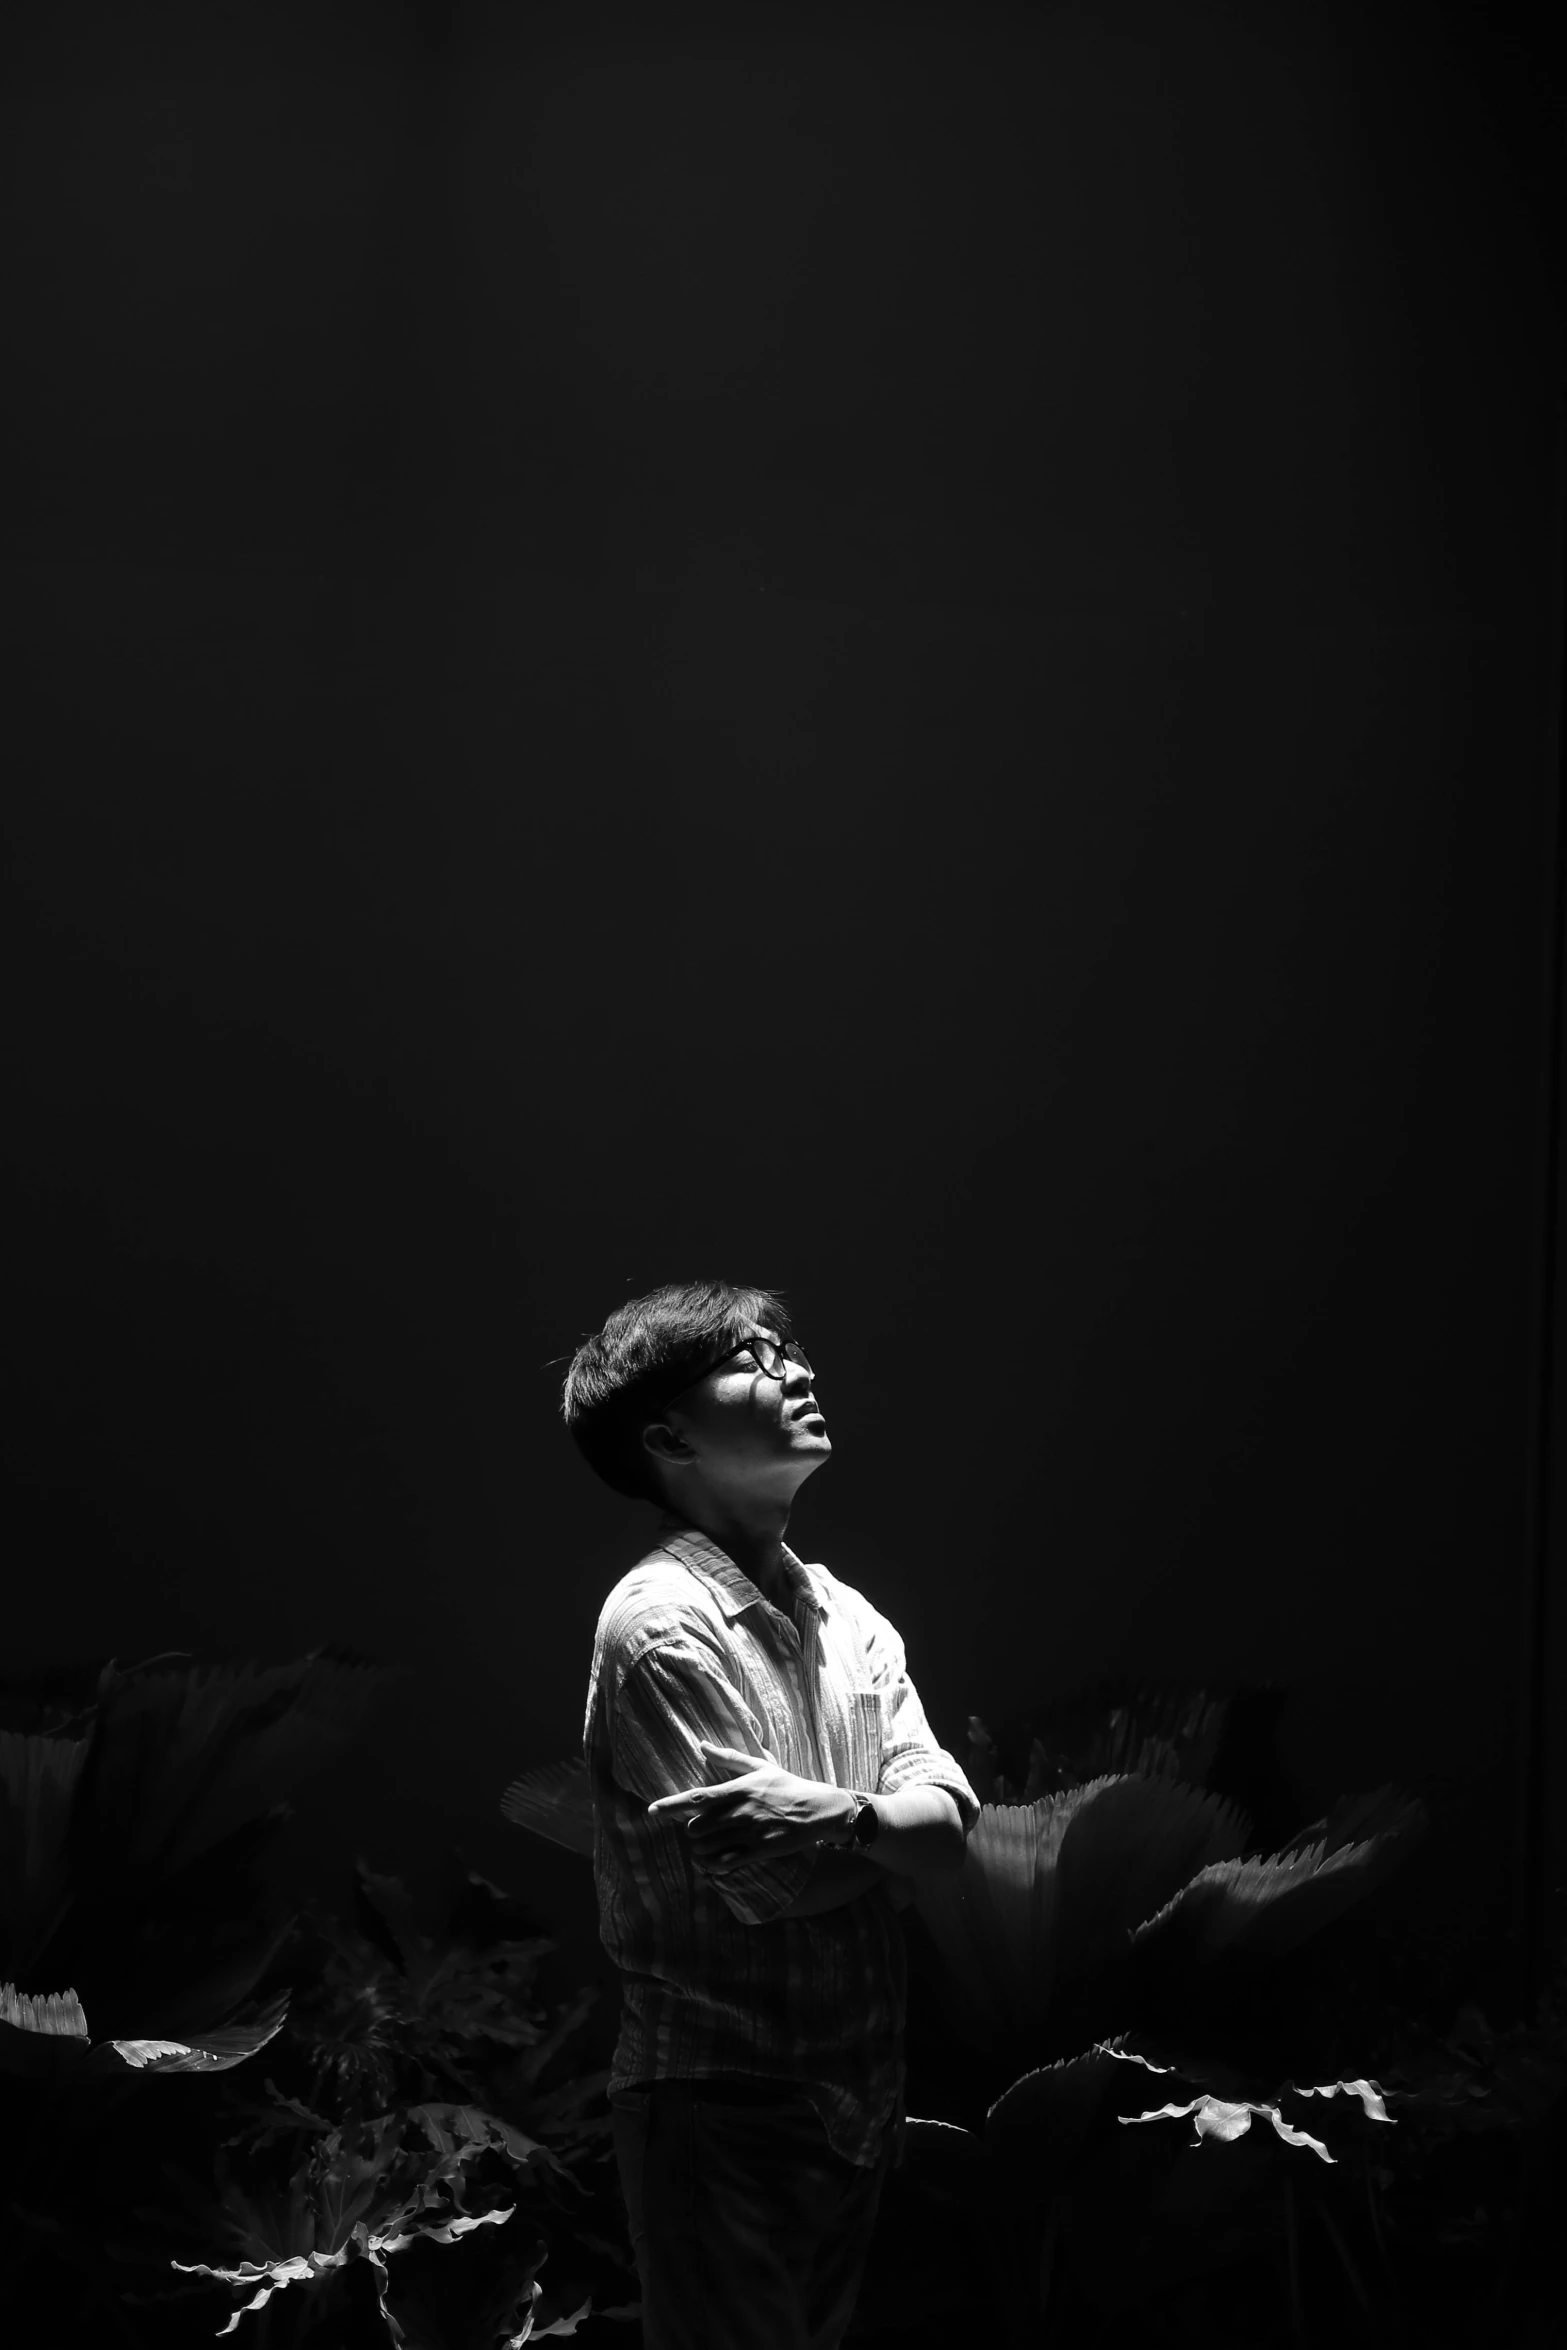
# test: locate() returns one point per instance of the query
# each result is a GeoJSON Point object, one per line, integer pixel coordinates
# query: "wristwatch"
{"type": "Point", "coordinates": [862, 1831]}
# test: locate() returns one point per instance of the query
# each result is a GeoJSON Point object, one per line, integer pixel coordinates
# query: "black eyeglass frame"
{"type": "Point", "coordinates": [784, 1350]}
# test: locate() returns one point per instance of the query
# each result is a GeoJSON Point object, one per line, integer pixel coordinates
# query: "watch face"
{"type": "Point", "coordinates": [865, 1823]}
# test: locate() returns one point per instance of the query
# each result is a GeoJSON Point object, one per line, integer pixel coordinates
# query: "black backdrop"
{"type": "Point", "coordinates": [906, 655]}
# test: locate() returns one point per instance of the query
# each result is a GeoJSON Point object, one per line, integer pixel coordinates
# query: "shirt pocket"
{"type": "Point", "coordinates": [866, 1723]}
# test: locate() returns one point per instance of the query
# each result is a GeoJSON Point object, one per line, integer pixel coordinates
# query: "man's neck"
{"type": "Point", "coordinates": [750, 1531]}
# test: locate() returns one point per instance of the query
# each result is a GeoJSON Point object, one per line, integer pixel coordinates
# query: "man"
{"type": "Point", "coordinates": [765, 1789]}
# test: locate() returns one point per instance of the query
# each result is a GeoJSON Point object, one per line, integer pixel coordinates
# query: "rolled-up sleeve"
{"type": "Point", "coordinates": [910, 1756]}
{"type": "Point", "coordinates": [675, 1695]}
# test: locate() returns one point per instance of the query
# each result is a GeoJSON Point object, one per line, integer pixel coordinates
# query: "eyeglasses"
{"type": "Point", "coordinates": [772, 1358]}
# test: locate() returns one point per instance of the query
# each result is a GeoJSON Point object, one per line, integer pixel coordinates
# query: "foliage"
{"type": "Point", "coordinates": [411, 2096]}
{"type": "Point", "coordinates": [418, 2099]}
{"type": "Point", "coordinates": [1127, 1903]}
{"type": "Point", "coordinates": [133, 1829]}
{"type": "Point", "coordinates": [1109, 1925]}
{"type": "Point", "coordinates": [137, 1807]}
{"type": "Point", "coordinates": [363, 2192]}
{"type": "Point", "coordinates": [47, 2039]}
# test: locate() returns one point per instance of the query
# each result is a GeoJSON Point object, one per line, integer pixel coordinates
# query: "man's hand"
{"type": "Point", "coordinates": [762, 1814]}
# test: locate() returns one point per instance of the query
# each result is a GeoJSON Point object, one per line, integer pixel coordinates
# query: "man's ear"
{"type": "Point", "coordinates": [660, 1440]}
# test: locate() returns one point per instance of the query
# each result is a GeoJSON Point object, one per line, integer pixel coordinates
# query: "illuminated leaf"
{"type": "Point", "coordinates": [55, 2014]}
{"type": "Point", "coordinates": [42, 2037]}
{"type": "Point", "coordinates": [1370, 2093]}
{"type": "Point", "coordinates": [146, 2052]}
{"type": "Point", "coordinates": [215, 2051]}
{"type": "Point", "coordinates": [1218, 2117]}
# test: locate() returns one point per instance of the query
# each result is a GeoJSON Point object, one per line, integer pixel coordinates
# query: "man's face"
{"type": "Point", "coordinates": [747, 1430]}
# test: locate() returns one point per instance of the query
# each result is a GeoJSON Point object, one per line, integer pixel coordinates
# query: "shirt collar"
{"type": "Point", "coordinates": [731, 1586]}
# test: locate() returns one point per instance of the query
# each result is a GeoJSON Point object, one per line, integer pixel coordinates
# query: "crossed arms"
{"type": "Point", "coordinates": [689, 1748]}
{"type": "Point", "coordinates": [761, 1812]}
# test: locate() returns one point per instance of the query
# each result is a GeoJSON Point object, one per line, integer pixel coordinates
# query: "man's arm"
{"type": "Point", "coordinates": [920, 1834]}
{"type": "Point", "coordinates": [771, 1812]}
{"type": "Point", "coordinates": [672, 1704]}
{"type": "Point", "coordinates": [841, 1877]}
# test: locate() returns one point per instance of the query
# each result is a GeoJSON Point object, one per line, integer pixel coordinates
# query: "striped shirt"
{"type": "Point", "coordinates": [714, 1981]}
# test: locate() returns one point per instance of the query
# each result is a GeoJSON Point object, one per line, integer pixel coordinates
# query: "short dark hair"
{"type": "Point", "coordinates": [649, 1349]}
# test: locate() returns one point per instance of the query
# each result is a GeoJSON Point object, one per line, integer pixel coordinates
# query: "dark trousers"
{"type": "Point", "coordinates": [750, 2232]}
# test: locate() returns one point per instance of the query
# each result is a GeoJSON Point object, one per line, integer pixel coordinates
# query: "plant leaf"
{"type": "Point", "coordinates": [554, 1800]}
{"type": "Point", "coordinates": [1352, 1819]}
{"type": "Point", "coordinates": [38, 1779]}
{"type": "Point", "coordinates": [944, 2135]}
{"type": "Point", "coordinates": [1049, 1891]}
{"type": "Point", "coordinates": [451, 2126]}
{"type": "Point", "coordinates": [231, 1973]}
{"type": "Point", "coordinates": [1258, 1908]}
{"type": "Point", "coordinates": [1130, 1844]}
{"type": "Point", "coordinates": [179, 1759]}
{"type": "Point", "coordinates": [1041, 2122]}
{"type": "Point", "coordinates": [447, 2232]}
{"type": "Point", "coordinates": [56, 2014]}
{"type": "Point", "coordinates": [269, 2276]}
{"type": "Point", "coordinates": [1296, 2137]}
{"type": "Point", "coordinates": [992, 1920]}
{"type": "Point", "coordinates": [1370, 2093]}
{"type": "Point", "coordinates": [43, 2035]}
{"type": "Point", "coordinates": [217, 2050]}
{"type": "Point", "coordinates": [1226, 2120]}
{"type": "Point", "coordinates": [153, 2053]}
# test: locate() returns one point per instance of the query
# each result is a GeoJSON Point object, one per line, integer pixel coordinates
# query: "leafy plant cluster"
{"type": "Point", "coordinates": [422, 2093]}
{"type": "Point", "coordinates": [413, 2145]}
{"type": "Point", "coordinates": [1159, 2083]}
{"type": "Point", "coordinates": [1167, 2085]}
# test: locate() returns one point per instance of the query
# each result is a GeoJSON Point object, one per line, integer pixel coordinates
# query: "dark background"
{"type": "Point", "coordinates": [913, 656]}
